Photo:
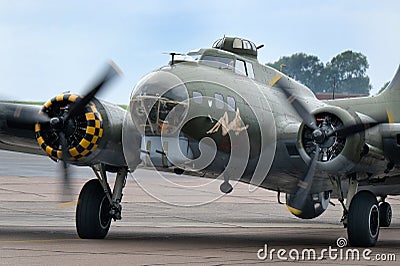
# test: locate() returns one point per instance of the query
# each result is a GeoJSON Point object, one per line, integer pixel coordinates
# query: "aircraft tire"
{"type": "Point", "coordinates": [92, 212]}
{"type": "Point", "coordinates": [363, 220]}
{"type": "Point", "coordinates": [385, 214]}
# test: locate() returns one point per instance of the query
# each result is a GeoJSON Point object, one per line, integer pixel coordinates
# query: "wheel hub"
{"type": "Point", "coordinates": [374, 220]}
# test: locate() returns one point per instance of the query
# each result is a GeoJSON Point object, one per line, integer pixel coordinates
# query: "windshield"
{"type": "Point", "coordinates": [218, 61]}
{"type": "Point", "coordinates": [195, 55]}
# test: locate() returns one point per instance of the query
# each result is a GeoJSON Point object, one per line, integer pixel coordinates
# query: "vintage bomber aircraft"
{"type": "Point", "coordinates": [221, 113]}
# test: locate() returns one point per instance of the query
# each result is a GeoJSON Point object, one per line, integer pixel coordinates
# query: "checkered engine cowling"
{"type": "Point", "coordinates": [83, 131]}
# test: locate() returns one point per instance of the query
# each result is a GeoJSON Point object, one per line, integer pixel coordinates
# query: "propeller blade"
{"type": "Point", "coordinates": [296, 202]}
{"type": "Point", "coordinates": [111, 72]}
{"type": "Point", "coordinates": [353, 129]}
{"type": "Point", "coordinates": [300, 109]}
{"type": "Point", "coordinates": [24, 114]}
{"type": "Point", "coordinates": [64, 158]}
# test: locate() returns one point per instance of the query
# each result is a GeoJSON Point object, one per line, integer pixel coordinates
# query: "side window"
{"type": "Point", "coordinates": [231, 102]}
{"type": "Point", "coordinates": [219, 101]}
{"type": "Point", "coordinates": [250, 72]}
{"type": "Point", "coordinates": [197, 97]}
{"type": "Point", "coordinates": [240, 67]}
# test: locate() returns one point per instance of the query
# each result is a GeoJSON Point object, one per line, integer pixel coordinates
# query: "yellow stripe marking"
{"type": "Point", "coordinates": [73, 98]}
{"type": "Point", "coordinates": [47, 104]}
{"type": "Point", "coordinates": [49, 150]}
{"type": "Point", "coordinates": [84, 143]}
{"type": "Point", "coordinates": [274, 80]}
{"type": "Point", "coordinates": [74, 152]}
{"type": "Point", "coordinates": [294, 210]}
{"type": "Point", "coordinates": [90, 130]}
{"type": "Point", "coordinates": [85, 152]}
{"type": "Point", "coordinates": [40, 141]}
{"type": "Point", "coordinates": [390, 116]}
{"type": "Point", "coordinates": [37, 127]}
{"type": "Point", "coordinates": [94, 140]}
{"type": "Point", "coordinates": [90, 116]}
{"type": "Point", "coordinates": [59, 154]}
{"type": "Point", "coordinates": [60, 97]}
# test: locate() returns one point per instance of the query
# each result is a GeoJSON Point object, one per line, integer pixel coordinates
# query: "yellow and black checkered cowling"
{"type": "Point", "coordinates": [83, 131]}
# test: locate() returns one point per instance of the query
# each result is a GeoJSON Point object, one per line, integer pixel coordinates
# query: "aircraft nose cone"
{"type": "Point", "coordinates": [159, 103]}
{"type": "Point", "coordinates": [161, 84]}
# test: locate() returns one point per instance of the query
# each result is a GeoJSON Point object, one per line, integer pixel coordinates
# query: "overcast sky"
{"type": "Point", "coordinates": [47, 47]}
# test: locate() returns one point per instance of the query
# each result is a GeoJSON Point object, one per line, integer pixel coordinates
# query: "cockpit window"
{"type": "Point", "coordinates": [237, 44]}
{"type": "Point", "coordinates": [240, 67]}
{"type": "Point", "coordinates": [195, 55]}
{"type": "Point", "coordinates": [249, 68]}
{"type": "Point", "coordinates": [246, 45]}
{"type": "Point", "coordinates": [218, 43]}
{"type": "Point", "coordinates": [218, 61]}
{"type": "Point", "coordinates": [243, 44]}
{"type": "Point", "coordinates": [253, 46]}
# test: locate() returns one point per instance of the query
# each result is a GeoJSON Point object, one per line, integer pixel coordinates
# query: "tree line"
{"type": "Point", "coordinates": [344, 73]}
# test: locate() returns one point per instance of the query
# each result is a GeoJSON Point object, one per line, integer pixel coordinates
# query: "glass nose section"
{"type": "Point", "coordinates": [159, 104]}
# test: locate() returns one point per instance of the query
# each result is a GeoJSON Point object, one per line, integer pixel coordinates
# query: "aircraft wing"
{"type": "Point", "coordinates": [16, 132]}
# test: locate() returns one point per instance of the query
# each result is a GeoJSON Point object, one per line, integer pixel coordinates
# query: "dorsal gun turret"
{"type": "Point", "coordinates": [237, 46]}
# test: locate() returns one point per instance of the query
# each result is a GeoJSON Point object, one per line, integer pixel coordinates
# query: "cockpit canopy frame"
{"type": "Point", "coordinates": [237, 46]}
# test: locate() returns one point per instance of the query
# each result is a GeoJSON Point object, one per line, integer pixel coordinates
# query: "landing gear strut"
{"type": "Point", "coordinates": [97, 205]}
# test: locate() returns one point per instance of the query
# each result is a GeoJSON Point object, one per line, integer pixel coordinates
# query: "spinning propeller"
{"type": "Point", "coordinates": [60, 124]}
{"type": "Point", "coordinates": [320, 136]}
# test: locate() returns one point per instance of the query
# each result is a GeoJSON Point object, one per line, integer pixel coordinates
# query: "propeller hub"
{"type": "Point", "coordinates": [323, 136]}
{"type": "Point", "coordinates": [57, 123]}
{"type": "Point", "coordinates": [319, 136]}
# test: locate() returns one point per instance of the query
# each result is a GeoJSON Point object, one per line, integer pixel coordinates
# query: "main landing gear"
{"type": "Point", "coordinates": [385, 213]}
{"type": "Point", "coordinates": [97, 205]}
{"type": "Point", "coordinates": [363, 216]}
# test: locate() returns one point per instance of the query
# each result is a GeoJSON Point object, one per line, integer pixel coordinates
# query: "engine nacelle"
{"type": "Point", "coordinates": [314, 206]}
{"type": "Point", "coordinates": [338, 154]}
{"type": "Point", "coordinates": [96, 129]}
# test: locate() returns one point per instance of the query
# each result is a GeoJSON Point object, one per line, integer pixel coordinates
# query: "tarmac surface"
{"type": "Point", "coordinates": [172, 220]}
